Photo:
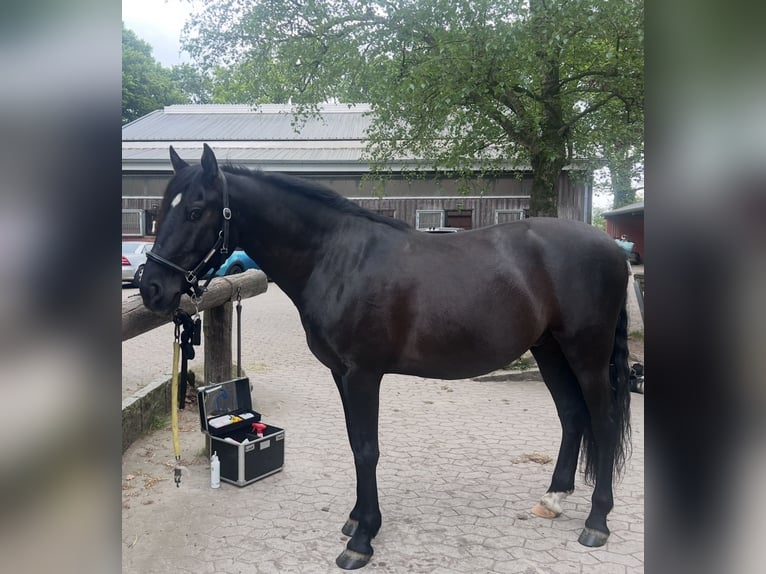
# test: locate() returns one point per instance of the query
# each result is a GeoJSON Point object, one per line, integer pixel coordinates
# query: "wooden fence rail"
{"type": "Point", "coordinates": [137, 319]}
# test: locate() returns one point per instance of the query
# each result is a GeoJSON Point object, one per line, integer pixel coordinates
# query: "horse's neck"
{"type": "Point", "coordinates": [286, 239]}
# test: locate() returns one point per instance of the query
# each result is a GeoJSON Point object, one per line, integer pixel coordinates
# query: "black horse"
{"type": "Point", "coordinates": [376, 296]}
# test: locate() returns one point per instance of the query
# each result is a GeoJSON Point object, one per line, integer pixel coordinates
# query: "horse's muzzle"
{"type": "Point", "coordinates": [156, 297]}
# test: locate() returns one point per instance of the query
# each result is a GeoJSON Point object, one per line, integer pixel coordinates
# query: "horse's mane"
{"type": "Point", "coordinates": [315, 191]}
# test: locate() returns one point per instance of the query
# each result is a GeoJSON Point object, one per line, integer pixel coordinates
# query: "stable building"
{"type": "Point", "coordinates": [330, 150]}
{"type": "Point", "coordinates": [627, 222]}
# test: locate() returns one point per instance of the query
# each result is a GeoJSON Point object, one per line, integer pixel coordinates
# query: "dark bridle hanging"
{"type": "Point", "coordinates": [221, 245]}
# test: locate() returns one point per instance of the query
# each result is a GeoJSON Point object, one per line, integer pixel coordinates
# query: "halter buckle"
{"type": "Point", "coordinates": [226, 213]}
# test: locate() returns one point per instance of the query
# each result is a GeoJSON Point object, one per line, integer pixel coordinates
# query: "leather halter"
{"type": "Point", "coordinates": [221, 245]}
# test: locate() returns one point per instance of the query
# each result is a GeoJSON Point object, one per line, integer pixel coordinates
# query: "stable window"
{"type": "Point", "coordinates": [133, 222]}
{"type": "Point", "coordinates": [429, 218]}
{"type": "Point", "coordinates": [507, 215]}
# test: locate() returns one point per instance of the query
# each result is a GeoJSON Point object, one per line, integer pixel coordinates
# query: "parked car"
{"type": "Point", "coordinates": [133, 260]}
{"type": "Point", "coordinates": [442, 230]}
{"type": "Point", "coordinates": [237, 262]}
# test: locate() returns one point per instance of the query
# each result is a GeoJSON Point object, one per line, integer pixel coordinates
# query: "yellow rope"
{"type": "Point", "coordinates": [174, 402]}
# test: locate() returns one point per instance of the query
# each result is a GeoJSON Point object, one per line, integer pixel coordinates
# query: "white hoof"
{"type": "Point", "coordinates": [549, 505]}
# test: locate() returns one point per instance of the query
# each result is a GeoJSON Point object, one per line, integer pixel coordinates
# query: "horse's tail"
{"type": "Point", "coordinates": [619, 379]}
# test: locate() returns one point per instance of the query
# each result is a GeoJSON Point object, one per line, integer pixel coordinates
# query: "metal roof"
{"type": "Point", "coordinates": [273, 122]}
{"type": "Point", "coordinates": [274, 158]}
{"type": "Point", "coordinates": [262, 136]}
{"type": "Point", "coordinates": [637, 207]}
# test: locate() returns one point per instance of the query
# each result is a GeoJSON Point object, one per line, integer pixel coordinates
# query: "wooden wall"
{"type": "Point", "coordinates": [482, 209]}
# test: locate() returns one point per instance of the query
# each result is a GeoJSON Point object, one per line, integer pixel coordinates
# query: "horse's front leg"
{"type": "Point", "coordinates": [360, 393]}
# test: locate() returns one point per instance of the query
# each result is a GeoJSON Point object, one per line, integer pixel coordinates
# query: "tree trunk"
{"type": "Point", "coordinates": [624, 194]}
{"type": "Point", "coordinates": [548, 153]}
{"type": "Point", "coordinates": [546, 171]}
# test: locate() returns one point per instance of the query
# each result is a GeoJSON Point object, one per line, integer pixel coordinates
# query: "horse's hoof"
{"type": "Point", "coordinates": [350, 527]}
{"type": "Point", "coordinates": [351, 560]}
{"type": "Point", "coordinates": [592, 538]}
{"type": "Point", "coordinates": [543, 511]}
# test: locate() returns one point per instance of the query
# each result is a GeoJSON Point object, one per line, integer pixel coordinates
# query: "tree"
{"type": "Point", "coordinates": [616, 134]}
{"type": "Point", "coordinates": [459, 82]}
{"type": "Point", "coordinates": [598, 218]}
{"type": "Point", "coordinates": [146, 85]}
{"type": "Point", "coordinates": [197, 87]}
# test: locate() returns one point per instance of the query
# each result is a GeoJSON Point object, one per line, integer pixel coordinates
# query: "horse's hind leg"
{"type": "Point", "coordinates": [589, 359]}
{"type": "Point", "coordinates": [360, 395]}
{"type": "Point", "coordinates": [573, 414]}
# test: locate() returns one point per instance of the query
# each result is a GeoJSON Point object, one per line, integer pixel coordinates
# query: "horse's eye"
{"type": "Point", "coordinates": [195, 214]}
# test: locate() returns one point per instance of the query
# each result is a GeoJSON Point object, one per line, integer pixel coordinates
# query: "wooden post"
{"type": "Point", "coordinates": [216, 328]}
{"type": "Point", "coordinates": [216, 325]}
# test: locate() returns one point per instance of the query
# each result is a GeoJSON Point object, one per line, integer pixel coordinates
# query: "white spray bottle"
{"type": "Point", "coordinates": [215, 471]}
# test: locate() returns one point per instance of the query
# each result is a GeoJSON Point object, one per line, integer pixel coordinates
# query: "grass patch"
{"type": "Point", "coordinates": [159, 422]}
{"type": "Point", "coordinates": [636, 335]}
{"type": "Point", "coordinates": [523, 363]}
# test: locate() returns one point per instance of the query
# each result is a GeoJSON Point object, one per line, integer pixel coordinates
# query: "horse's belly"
{"type": "Point", "coordinates": [459, 360]}
{"type": "Point", "coordinates": [451, 370]}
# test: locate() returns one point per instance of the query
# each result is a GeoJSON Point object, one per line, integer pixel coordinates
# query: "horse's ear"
{"type": "Point", "coordinates": [209, 165]}
{"type": "Point", "coordinates": [175, 159]}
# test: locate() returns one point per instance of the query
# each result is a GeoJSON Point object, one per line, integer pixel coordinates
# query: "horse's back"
{"type": "Point", "coordinates": [561, 249]}
{"type": "Point", "coordinates": [537, 274]}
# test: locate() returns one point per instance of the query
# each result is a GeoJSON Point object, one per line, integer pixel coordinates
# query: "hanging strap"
{"type": "Point", "coordinates": [239, 332]}
{"type": "Point", "coordinates": [174, 413]}
{"type": "Point", "coordinates": [190, 335]}
{"type": "Point", "coordinates": [183, 348]}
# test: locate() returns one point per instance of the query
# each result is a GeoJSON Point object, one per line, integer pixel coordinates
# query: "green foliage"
{"type": "Point", "coordinates": [196, 87]}
{"type": "Point", "coordinates": [159, 422]}
{"type": "Point", "coordinates": [146, 85]}
{"type": "Point", "coordinates": [458, 83]}
{"type": "Point", "coordinates": [598, 220]}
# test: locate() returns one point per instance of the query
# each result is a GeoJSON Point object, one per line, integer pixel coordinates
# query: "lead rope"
{"type": "Point", "coordinates": [183, 345]}
{"type": "Point", "coordinates": [174, 406]}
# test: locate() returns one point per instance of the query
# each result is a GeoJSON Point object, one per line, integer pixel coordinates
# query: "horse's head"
{"type": "Point", "coordinates": [192, 228]}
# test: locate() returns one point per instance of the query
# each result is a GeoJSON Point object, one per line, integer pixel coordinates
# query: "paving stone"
{"type": "Point", "coordinates": [607, 556]}
{"type": "Point", "coordinates": [609, 568]}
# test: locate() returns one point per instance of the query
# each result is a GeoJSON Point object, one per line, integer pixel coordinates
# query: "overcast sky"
{"type": "Point", "coordinates": [159, 23]}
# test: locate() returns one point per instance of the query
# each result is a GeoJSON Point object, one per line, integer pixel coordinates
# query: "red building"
{"type": "Point", "coordinates": [628, 221]}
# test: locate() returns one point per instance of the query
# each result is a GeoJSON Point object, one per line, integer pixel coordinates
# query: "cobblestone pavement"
{"type": "Point", "coordinates": [461, 465]}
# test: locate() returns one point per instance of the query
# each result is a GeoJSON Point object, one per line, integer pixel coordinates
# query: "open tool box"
{"type": "Point", "coordinates": [248, 451]}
